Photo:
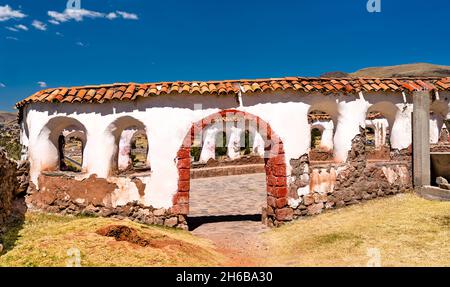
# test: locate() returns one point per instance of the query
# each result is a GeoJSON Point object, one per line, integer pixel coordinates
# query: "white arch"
{"type": "Point", "coordinates": [114, 133]}
{"type": "Point", "coordinates": [47, 144]}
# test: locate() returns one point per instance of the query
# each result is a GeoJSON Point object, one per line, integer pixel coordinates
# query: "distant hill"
{"type": "Point", "coordinates": [335, 75]}
{"type": "Point", "coordinates": [6, 117]}
{"type": "Point", "coordinates": [407, 70]}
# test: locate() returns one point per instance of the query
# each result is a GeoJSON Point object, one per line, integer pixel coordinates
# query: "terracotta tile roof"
{"type": "Point", "coordinates": [131, 91]}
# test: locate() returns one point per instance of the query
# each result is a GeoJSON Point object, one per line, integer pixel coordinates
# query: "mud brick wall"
{"type": "Point", "coordinates": [318, 188]}
{"type": "Point", "coordinates": [92, 196]}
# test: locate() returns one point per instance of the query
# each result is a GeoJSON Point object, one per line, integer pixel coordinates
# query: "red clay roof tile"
{"type": "Point", "coordinates": [131, 91]}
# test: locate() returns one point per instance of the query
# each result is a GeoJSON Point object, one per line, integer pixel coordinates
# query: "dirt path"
{"type": "Point", "coordinates": [240, 241]}
{"type": "Point", "coordinates": [226, 210]}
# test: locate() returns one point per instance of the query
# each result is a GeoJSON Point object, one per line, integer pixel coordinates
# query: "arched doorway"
{"type": "Point", "coordinates": [277, 210]}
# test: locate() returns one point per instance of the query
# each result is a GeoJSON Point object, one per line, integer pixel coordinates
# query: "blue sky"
{"type": "Point", "coordinates": [208, 40]}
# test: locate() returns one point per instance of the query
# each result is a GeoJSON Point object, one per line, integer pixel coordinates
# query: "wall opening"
{"type": "Point", "coordinates": [377, 131]}
{"type": "Point", "coordinates": [131, 146]}
{"type": "Point", "coordinates": [63, 140]}
{"type": "Point", "coordinates": [322, 132]}
{"type": "Point", "coordinates": [227, 142]}
{"type": "Point", "coordinates": [216, 198]}
{"type": "Point", "coordinates": [70, 148]}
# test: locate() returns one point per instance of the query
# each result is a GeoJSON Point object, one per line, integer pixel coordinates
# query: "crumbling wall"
{"type": "Point", "coordinates": [95, 196]}
{"type": "Point", "coordinates": [13, 182]}
{"type": "Point", "coordinates": [314, 189]}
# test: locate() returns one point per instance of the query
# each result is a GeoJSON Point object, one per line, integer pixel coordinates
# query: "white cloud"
{"type": "Point", "coordinates": [6, 13]}
{"type": "Point", "coordinates": [12, 38]}
{"type": "Point", "coordinates": [59, 34]}
{"type": "Point", "coordinates": [42, 84]}
{"type": "Point", "coordinates": [39, 25]}
{"type": "Point", "coordinates": [22, 27]}
{"type": "Point", "coordinates": [128, 16]}
{"type": "Point", "coordinates": [11, 29]}
{"type": "Point", "coordinates": [79, 15]}
{"type": "Point", "coordinates": [111, 16]}
{"type": "Point", "coordinates": [74, 14]}
{"type": "Point", "coordinates": [2, 85]}
{"type": "Point", "coordinates": [81, 44]}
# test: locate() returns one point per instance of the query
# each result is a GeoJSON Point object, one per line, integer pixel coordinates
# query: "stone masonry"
{"type": "Point", "coordinates": [334, 186]}
{"type": "Point", "coordinates": [13, 182]}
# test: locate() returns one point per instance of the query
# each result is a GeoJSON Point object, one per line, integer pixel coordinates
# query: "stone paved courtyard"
{"type": "Point", "coordinates": [227, 211]}
{"type": "Point", "coordinates": [228, 195]}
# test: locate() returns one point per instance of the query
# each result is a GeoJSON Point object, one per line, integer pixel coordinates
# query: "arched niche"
{"type": "Point", "coordinates": [122, 131]}
{"type": "Point", "coordinates": [48, 147]}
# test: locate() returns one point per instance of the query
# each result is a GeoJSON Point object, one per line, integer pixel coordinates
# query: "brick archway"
{"type": "Point", "coordinates": [277, 209]}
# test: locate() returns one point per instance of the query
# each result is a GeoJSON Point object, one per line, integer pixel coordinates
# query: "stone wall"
{"type": "Point", "coordinates": [311, 189]}
{"type": "Point", "coordinates": [315, 188]}
{"type": "Point", "coordinates": [92, 196]}
{"type": "Point", "coordinates": [13, 182]}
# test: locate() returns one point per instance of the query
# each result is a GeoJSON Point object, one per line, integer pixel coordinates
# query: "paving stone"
{"type": "Point", "coordinates": [228, 195]}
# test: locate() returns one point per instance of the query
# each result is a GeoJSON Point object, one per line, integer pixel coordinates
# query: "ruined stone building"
{"type": "Point", "coordinates": [131, 149]}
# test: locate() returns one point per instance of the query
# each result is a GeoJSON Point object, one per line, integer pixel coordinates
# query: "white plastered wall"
{"type": "Point", "coordinates": [167, 120]}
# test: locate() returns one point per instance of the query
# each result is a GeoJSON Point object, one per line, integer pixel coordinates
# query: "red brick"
{"type": "Point", "coordinates": [280, 192]}
{"type": "Point", "coordinates": [284, 214]}
{"type": "Point", "coordinates": [184, 185]}
{"type": "Point", "coordinates": [184, 174]}
{"type": "Point", "coordinates": [182, 209]}
{"type": "Point", "coordinates": [181, 198]}
{"type": "Point", "coordinates": [271, 190]}
{"type": "Point", "coordinates": [279, 170]}
{"type": "Point", "coordinates": [184, 152]}
{"type": "Point", "coordinates": [184, 163]}
{"type": "Point", "coordinates": [281, 181]}
{"type": "Point", "coordinates": [271, 180]}
{"type": "Point", "coordinates": [278, 159]}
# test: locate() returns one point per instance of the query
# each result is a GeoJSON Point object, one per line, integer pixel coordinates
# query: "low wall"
{"type": "Point", "coordinates": [227, 170]}
{"type": "Point", "coordinates": [313, 187]}
{"type": "Point", "coordinates": [66, 194]}
{"type": "Point", "coordinates": [316, 188]}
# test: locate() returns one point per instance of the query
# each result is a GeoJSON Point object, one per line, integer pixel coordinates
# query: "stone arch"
{"type": "Point", "coordinates": [116, 129]}
{"type": "Point", "coordinates": [275, 166]}
{"type": "Point", "coordinates": [49, 140]}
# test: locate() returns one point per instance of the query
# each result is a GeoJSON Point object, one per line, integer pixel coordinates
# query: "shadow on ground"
{"type": "Point", "coordinates": [10, 233]}
{"type": "Point", "coordinates": [197, 221]}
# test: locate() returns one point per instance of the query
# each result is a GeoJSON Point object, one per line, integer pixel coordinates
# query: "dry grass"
{"type": "Point", "coordinates": [406, 229]}
{"type": "Point", "coordinates": [44, 240]}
